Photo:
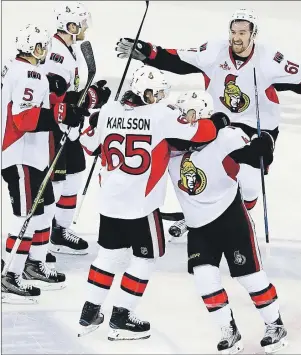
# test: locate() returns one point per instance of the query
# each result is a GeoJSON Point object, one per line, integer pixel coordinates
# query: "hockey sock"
{"type": "Point", "coordinates": [18, 262]}
{"type": "Point", "coordinates": [134, 282]}
{"type": "Point", "coordinates": [66, 205]}
{"type": "Point", "coordinates": [250, 204]}
{"type": "Point", "coordinates": [41, 235]}
{"type": "Point", "coordinates": [101, 274]}
{"type": "Point", "coordinates": [215, 298]}
{"type": "Point", "coordinates": [263, 295]}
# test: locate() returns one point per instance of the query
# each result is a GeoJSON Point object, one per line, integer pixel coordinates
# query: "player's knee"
{"type": "Point", "coordinates": [207, 278]}
{"type": "Point", "coordinates": [72, 184]}
{"type": "Point", "coordinates": [141, 267]}
{"type": "Point", "coordinates": [57, 189]}
{"type": "Point", "coordinates": [108, 259]}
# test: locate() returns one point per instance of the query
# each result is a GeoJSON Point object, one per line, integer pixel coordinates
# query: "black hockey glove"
{"type": "Point", "coordinates": [125, 45]}
{"type": "Point", "coordinates": [57, 84]}
{"type": "Point", "coordinates": [263, 146]}
{"type": "Point", "coordinates": [98, 94]}
{"type": "Point", "coordinates": [220, 120]}
{"type": "Point", "coordinates": [69, 115]}
{"type": "Point", "coordinates": [93, 119]}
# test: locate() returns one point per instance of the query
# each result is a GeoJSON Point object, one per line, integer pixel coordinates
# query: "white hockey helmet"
{"type": "Point", "coordinates": [72, 12]}
{"type": "Point", "coordinates": [30, 36]}
{"type": "Point", "coordinates": [149, 78]}
{"type": "Point", "coordinates": [246, 15]}
{"type": "Point", "coordinates": [200, 101]}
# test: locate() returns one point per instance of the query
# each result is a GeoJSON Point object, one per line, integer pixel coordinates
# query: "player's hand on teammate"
{"type": "Point", "coordinates": [125, 45]}
{"type": "Point", "coordinates": [69, 114]}
{"type": "Point", "coordinates": [94, 119]}
{"type": "Point", "coordinates": [98, 94]}
{"type": "Point", "coordinates": [220, 120]}
{"type": "Point", "coordinates": [57, 84]}
{"type": "Point", "coordinates": [263, 146]}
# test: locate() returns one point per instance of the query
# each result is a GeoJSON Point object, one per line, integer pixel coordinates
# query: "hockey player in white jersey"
{"type": "Point", "coordinates": [227, 67]}
{"type": "Point", "coordinates": [135, 157]}
{"type": "Point", "coordinates": [61, 66]}
{"type": "Point", "coordinates": [26, 121]}
{"type": "Point", "coordinates": [206, 186]}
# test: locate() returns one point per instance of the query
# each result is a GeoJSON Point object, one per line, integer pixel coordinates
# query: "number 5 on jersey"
{"type": "Point", "coordinates": [129, 152]}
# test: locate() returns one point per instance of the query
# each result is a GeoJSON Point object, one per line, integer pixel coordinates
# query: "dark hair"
{"type": "Point", "coordinates": [251, 27]}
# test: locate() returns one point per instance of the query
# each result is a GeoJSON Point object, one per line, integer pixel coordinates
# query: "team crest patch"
{"type": "Point", "coordinates": [234, 99]}
{"type": "Point", "coordinates": [239, 259]}
{"type": "Point", "coordinates": [278, 57]}
{"type": "Point", "coordinates": [193, 180]}
{"type": "Point", "coordinates": [203, 47]}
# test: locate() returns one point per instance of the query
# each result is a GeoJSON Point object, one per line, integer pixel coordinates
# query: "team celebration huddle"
{"type": "Point", "coordinates": [215, 145]}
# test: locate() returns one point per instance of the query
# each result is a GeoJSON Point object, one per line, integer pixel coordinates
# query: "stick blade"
{"type": "Point", "coordinates": [87, 51]}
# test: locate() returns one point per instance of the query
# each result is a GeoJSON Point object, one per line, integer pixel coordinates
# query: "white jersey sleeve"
{"type": "Point", "coordinates": [202, 57]}
{"type": "Point", "coordinates": [231, 138]}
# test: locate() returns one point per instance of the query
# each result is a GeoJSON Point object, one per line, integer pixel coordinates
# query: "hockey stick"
{"type": "Point", "coordinates": [116, 98]}
{"type": "Point", "coordinates": [89, 58]}
{"type": "Point", "coordinates": [266, 226]}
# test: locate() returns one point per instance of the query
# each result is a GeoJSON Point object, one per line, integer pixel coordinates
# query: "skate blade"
{"type": "Point", "coordinates": [121, 334]}
{"type": "Point", "coordinates": [273, 348]}
{"type": "Point", "coordinates": [87, 330]}
{"type": "Point", "coordinates": [236, 348]}
{"type": "Point", "coordinates": [10, 298]}
{"type": "Point", "coordinates": [60, 249]}
{"type": "Point", "coordinates": [46, 286]}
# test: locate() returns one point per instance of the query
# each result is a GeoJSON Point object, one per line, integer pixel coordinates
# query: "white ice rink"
{"type": "Point", "coordinates": [180, 322]}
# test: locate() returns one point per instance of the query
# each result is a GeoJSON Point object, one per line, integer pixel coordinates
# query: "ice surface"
{"type": "Point", "coordinates": [180, 322]}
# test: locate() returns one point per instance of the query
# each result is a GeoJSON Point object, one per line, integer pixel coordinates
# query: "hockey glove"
{"type": "Point", "coordinates": [69, 115]}
{"type": "Point", "coordinates": [125, 45]}
{"type": "Point", "coordinates": [98, 94]}
{"type": "Point", "coordinates": [57, 84]}
{"type": "Point", "coordinates": [263, 146]}
{"type": "Point", "coordinates": [93, 119]}
{"type": "Point", "coordinates": [220, 120]}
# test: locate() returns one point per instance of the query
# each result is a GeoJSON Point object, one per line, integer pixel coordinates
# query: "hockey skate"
{"type": "Point", "coordinates": [178, 228]}
{"type": "Point", "coordinates": [275, 337]}
{"type": "Point", "coordinates": [231, 340]}
{"type": "Point", "coordinates": [65, 241]}
{"type": "Point", "coordinates": [90, 319]}
{"type": "Point", "coordinates": [124, 325]}
{"type": "Point", "coordinates": [38, 274]}
{"type": "Point", "coordinates": [14, 291]}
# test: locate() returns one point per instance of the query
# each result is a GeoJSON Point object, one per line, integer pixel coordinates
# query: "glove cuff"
{"type": "Point", "coordinates": [153, 51]}
{"type": "Point", "coordinates": [59, 112]}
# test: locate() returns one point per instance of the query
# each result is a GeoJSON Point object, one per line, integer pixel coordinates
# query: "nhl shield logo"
{"type": "Point", "coordinates": [239, 259]}
{"type": "Point", "coordinates": [144, 250]}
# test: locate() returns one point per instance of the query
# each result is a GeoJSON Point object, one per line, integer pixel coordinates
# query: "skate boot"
{"type": "Point", "coordinates": [231, 340]}
{"type": "Point", "coordinates": [65, 241]}
{"type": "Point", "coordinates": [90, 318]}
{"type": "Point", "coordinates": [39, 274]}
{"type": "Point", "coordinates": [124, 325]}
{"type": "Point", "coordinates": [178, 228]}
{"type": "Point", "coordinates": [13, 290]}
{"type": "Point", "coordinates": [275, 337]}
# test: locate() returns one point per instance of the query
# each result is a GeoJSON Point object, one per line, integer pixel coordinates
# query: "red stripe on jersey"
{"type": "Point", "coordinates": [41, 237]}
{"type": "Point", "coordinates": [206, 131]}
{"type": "Point", "coordinates": [272, 94]}
{"type": "Point", "coordinates": [231, 167]}
{"type": "Point", "coordinates": [250, 204]}
{"type": "Point", "coordinates": [160, 160]}
{"type": "Point", "coordinates": [252, 237]}
{"type": "Point", "coordinates": [133, 285]}
{"type": "Point", "coordinates": [264, 297]}
{"type": "Point", "coordinates": [27, 121]}
{"type": "Point", "coordinates": [172, 51]}
{"type": "Point", "coordinates": [12, 134]}
{"type": "Point", "coordinates": [27, 188]}
{"type": "Point", "coordinates": [207, 80]}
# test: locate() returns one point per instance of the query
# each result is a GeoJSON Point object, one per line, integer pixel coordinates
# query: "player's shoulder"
{"type": "Point", "coordinates": [270, 54]}
{"type": "Point", "coordinates": [231, 133]}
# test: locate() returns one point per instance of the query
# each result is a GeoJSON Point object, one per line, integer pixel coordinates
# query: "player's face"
{"type": "Point", "coordinates": [240, 36]}
{"type": "Point", "coordinates": [81, 35]}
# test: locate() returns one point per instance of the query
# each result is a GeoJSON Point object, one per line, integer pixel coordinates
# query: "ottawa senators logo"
{"type": "Point", "coordinates": [235, 100]}
{"type": "Point", "coordinates": [193, 180]}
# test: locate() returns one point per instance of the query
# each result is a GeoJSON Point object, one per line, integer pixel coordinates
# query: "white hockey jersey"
{"type": "Point", "coordinates": [231, 84]}
{"type": "Point", "coordinates": [205, 181]}
{"type": "Point", "coordinates": [62, 60]}
{"type": "Point", "coordinates": [135, 155]}
{"type": "Point", "coordinates": [25, 89]}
